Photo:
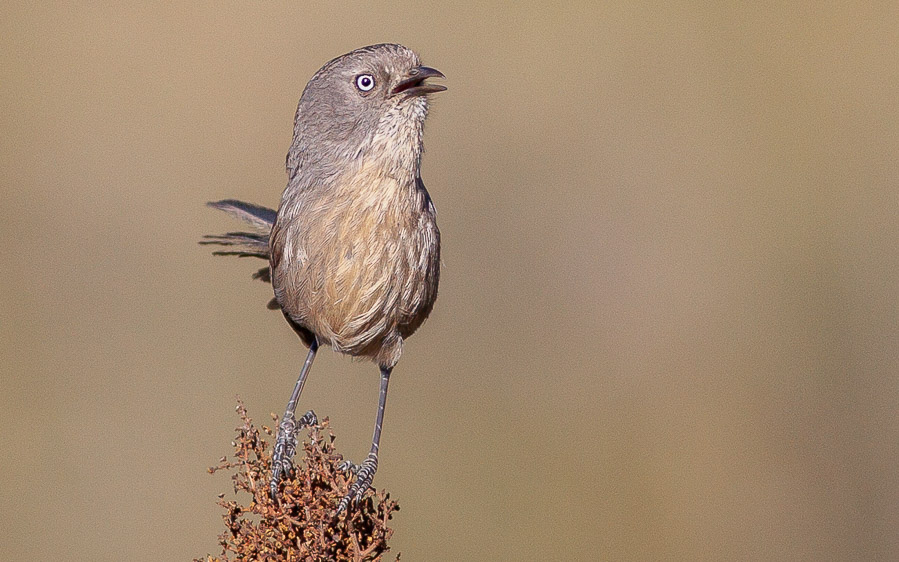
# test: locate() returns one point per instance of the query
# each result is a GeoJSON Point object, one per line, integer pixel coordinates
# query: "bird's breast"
{"type": "Point", "coordinates": [368, 254]}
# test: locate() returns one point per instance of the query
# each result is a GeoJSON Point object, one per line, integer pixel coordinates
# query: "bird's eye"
{"type": "Point", "coordinates": [365, 82]}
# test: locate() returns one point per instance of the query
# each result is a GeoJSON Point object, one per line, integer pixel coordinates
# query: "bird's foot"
{"type": "Point", "coordinates": [364, 474]}
{"type": "Point", "coordinates": [286, 446]}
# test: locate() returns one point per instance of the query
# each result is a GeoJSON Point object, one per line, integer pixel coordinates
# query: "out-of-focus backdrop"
{"type": "Point", "coordinates": [669, 316]}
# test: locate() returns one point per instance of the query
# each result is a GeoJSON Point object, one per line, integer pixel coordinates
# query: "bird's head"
{"type": "Point", "coordinates": [369, 103]}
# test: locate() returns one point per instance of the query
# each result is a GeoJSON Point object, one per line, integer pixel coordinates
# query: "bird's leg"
{"type": "Point", "coordinates": [366, 471]}
{"type": "Point", "coordinates": [286, 442]}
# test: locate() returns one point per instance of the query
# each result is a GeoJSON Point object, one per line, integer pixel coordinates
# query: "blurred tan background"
{"type": "Point", "coordinates": [669, 315]}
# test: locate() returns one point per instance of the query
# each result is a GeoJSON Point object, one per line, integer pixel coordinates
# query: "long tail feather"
{"type": "Point", "coordinates": [261, 218]}
{"type": "Point", "coordinates": [245, 244]}
{"type": "Point", "coordinates": [248, 244]}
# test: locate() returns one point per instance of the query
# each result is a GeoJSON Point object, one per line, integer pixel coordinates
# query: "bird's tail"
{"type": "Point", "coordinates": [245, 244]}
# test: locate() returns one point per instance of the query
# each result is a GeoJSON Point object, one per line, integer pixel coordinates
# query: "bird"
{"type": "Point", "coordinates": [353, 249]}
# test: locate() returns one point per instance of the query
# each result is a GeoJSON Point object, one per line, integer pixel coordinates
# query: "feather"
{"type": "Point", "coordinates": [245, 244]}
{"type": "Point", "coordinates": [260, 218]}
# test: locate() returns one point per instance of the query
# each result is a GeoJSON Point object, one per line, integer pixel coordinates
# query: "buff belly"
{"type": "Point", "coordinates": [368, 276]}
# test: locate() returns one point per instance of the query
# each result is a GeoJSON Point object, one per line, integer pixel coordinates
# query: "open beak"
{"type": "Point", "coordinates": [414, 84]}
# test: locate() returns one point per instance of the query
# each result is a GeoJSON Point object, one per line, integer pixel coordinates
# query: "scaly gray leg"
{"type": "Point", "coordinates": [366, 471]}
{"type": "Point", "coordinates": [286, 442]}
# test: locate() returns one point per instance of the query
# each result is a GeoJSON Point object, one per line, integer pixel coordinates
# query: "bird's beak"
{"type": "Point", "coordinates": [414, 84]}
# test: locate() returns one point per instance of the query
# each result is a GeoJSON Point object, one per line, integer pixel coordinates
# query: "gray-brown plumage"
{"type": "Point", "coordinates": [354, 250]}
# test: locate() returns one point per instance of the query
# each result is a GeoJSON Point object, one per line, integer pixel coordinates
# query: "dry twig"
{"type": "Point", "coordinates": [303, 525]}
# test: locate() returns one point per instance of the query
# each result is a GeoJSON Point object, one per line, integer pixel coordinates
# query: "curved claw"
{"type": "Point", "coordinates": [348, 467]}
{"type": "Point", "coordinates": [309, 419]}
{"type": "Point", "coordinates": [365, 473]}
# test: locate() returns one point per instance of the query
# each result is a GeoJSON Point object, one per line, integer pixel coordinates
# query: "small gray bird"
{"type": "Point", "coordinates": [353, 250]}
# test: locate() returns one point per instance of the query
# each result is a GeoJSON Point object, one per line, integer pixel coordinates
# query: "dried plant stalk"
{"type": "Point", "coordinates": [303, 524]}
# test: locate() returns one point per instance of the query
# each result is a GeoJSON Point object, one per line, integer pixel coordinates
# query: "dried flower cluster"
{"type": "Point", "coordinates": [303, 524]}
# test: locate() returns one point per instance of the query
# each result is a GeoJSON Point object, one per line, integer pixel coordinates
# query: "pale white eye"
{"type": "Point", "coordinates": [365, 82]}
